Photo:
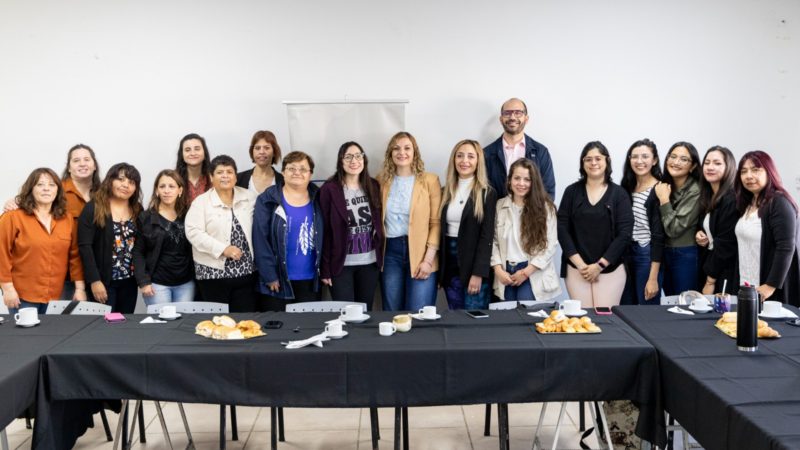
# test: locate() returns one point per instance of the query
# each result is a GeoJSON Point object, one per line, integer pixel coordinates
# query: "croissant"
{"type": "Point", "coordinates": [767, 332]}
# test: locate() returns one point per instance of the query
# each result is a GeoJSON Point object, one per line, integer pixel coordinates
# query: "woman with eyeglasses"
{"type": "Point", "coordinates": [352, 246]}
{"type": "Point", "coordinates": [641, 173]}
{"type": "Point", "coordinates": [595, 222]}
{"type": "Point", "coordinates": [467, 214]}
{"type": "Point", "coordinates": [193, 165]}
{"type": "Point", "coordinates": [716, 236]}
{"type": "Point", "coordinates": [679, 195]}
{"type": "Point", "coordinates": [287, 236]}
{"type": "Point", "coordinates": [264, 152]}
{"type": "Point", "coordinates": [411, 199]}
{"type": "Point", "coordinates": [767, 232]}
{"type": "Point", "coordinates": [108, 231]}
{"type": "Point", "coordinates": [219, 224]}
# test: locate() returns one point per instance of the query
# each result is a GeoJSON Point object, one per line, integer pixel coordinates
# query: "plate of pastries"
{"type": "Point", "coordinates": [558, 323]}
{"type": "Point", "coordinates": [727, 324]}
{"type": "Point", "coordinates": [225, 328]}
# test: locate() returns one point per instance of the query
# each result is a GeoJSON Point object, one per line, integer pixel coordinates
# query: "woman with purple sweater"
{"type": "Point", "coordinates": [352, 243]}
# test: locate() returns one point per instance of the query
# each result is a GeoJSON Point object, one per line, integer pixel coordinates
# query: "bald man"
{"type": "Point", "coordinates": [513, 145]}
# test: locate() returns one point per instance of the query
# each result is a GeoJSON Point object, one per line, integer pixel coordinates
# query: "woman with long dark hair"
{"type": "Point", "coordinates": [595, 224]}
{"type": "Point", "coordinates": [168, 273]}
{"type": "Point", "coordinates": [194, 165]}
{"type": "Point", "coordinates": [108, 231]}
{"type": "Point", "coordinates": [352, 246]}
{"type": "Point", "coordinates": [766, 232]}
{"type": "Point", "coordinates": [642, 171]}
{"type": "Point", "coordinates": [467, 217]}
{"type": "Point", "coordinates": [716, 236]}
{"type": "Point", "coordinates": [525, 238]}
{"type": "Point", "coordinates": [678, 194]}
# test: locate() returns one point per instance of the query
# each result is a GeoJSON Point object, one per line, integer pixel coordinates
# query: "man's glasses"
{"type": "Point", "coordinates": [516, 113]}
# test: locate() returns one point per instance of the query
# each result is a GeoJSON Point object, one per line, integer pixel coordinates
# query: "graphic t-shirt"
{"type": "Point", "coordinates": [359, 225]}
{"type": "Point", "coordinates": [301, 256]}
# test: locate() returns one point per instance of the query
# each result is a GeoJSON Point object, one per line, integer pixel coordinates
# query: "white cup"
{"type": "Point", "coordinates": [27, 316]}
{"type": "Point", "coordinates": [402, 322]}
{"type": "Point", "coordinates": [168, 311]}
{"type": "Point", "coordinates": [334, 328]}
{"type": "Point", "coordinates": [773, 308]}
{"type": "Point", "coordinates": [428, 312]}
{"type": "Point", "coordinates": [352, 312]}
{"type": "Point", "coordinates": [700, 303]}
{"type": "Point", "coordinates": [386, 328]}
{"type": "Point", "coordinates": [570, 307]}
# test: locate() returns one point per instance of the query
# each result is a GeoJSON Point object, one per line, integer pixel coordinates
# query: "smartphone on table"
{"type": "Point", "coordinates": [602, 310]}
{"type": "Point", "coordinates": [476, 314]}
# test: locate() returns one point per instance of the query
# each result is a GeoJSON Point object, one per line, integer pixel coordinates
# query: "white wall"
{"type": "Point", "coordinates": [130, 77]}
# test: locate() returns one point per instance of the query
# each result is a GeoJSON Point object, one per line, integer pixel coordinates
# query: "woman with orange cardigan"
{"type": "Point", "coordinates": [37, 245]}
{"type": "Point", "coordinates": [411, 224]}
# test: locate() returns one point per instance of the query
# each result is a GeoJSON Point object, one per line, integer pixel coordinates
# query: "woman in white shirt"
{"type": "Point", "coordinates": [264, 152]}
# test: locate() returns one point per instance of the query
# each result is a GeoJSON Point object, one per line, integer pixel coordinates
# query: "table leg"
{"type": "Point", "coordinates": [558, 424]}
{"type": "Point", "coordinates": [405, 427]}
{"type": "Point", "coordinates": [121, 425]}
{"type": "Point", "coordinates": [222, 424]}
{"type": "Point", "coordinates": [142, 436]}
{"type": "Point", "coordinates": [234, 425]}
{"type": "Point", "coordinates": [398, 423]}
{"type": "Point", "coordinates": [164, 424]}
{"type": "Point", "coordinates": [582, 416]}
{"type": "Point", "coordinates": [273, 427]}
{"type": "Point", "coordinates": [281, 436]}
{"type": "Point", "coordinates": [487, 421]}
{"type": "Point", "coordinates": [373, 423]}
{"type": "Point", "coordinates": [501, 427]}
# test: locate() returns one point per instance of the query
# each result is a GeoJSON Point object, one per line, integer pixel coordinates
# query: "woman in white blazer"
{"type": "Point", "coordinates": [219, 226]}
{"type": "Point", "coordinates": [525, 238]}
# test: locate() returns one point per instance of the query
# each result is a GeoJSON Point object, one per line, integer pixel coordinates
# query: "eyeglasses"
{"type": "Point", "coordinates": [643, 157]}
{"type": "Point", "coordinates": [299, 170]}
{"type": "Point", "coordinates": [593, 159]}
{"type": "Point", "coordinates": [353, 157]}
{"type": "Point", "coordinates": [679, 159]}
{"type": "Point", "coordinates": [517, 113]}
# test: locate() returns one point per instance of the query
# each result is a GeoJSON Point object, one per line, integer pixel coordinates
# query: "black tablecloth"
{"type": "Point", "coordinates": [725, 398]}
{"type": "Point", "coordinates": [456, 360]}
{"type": "Point", "coordinates": [20, 352]}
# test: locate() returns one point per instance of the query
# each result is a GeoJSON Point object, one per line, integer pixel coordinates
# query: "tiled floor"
{"type": "Point", "coordinates": [430, 428]}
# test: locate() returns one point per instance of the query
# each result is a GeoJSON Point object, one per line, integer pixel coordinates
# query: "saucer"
{"type": "Point", "coordinates": [781, 315]}
{"type": "Point", "coordinates": [419, 316]}
{"type": "Point", "coordinates": [363, 318]}
{"type": "Point", "coordinates": [701, 309]}
{"type": "Point", "coordinates": [175, 317]}
{"type": "Point", "coordinates": [336, 336]}
{"type": "Point", "coordinates": [577, 314]}
{"type": "Point", "coordinates": [28, 325]}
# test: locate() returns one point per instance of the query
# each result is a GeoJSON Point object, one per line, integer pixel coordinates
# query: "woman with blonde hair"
{"type": "Point", "coordinates": [467, 214]}
{"type": "Point", "coordinates": [525, 238]}
{"type": "Point", "coordinates": [411, 199]}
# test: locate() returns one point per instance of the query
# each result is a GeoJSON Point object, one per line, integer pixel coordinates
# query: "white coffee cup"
{"type": "Point", "coordinates": [386, 328]}
{"type": "Point", "coordinates": [334, 328]}
{"type": "Point", "coordinates": [402, 322]}
{"type": "Point", "coordinates": [571, 307]}
{"type": "Point", "coordinates": [428, 312]}
{"type": "Point", "coordinates": [27, 316]}
{"type": "Point", "coordinates": [168, 311]}
{"type": "Point", "coordinates": [772, 308]}
{"type": "Point", "coordinates": [352, 312]}
{"type": "Point", "coordinates": [700, 303]}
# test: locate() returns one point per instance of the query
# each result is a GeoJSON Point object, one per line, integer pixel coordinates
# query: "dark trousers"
{"type": "Point", "coordinates": [122, 295]}
{"type": "Point", "coordinates": [303, 292]}
{"type": "Point", "coordinates": [356, 284]}
{"type": "Point", "coordinates": [239, 293]}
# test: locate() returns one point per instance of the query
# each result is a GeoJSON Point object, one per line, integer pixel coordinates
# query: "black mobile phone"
{"type": "Point", "coordinates": [602, 310]}
{"type": "Point", "coordinates": [477, 314]}
{"type": "Point", "coordinates": [273, 324]}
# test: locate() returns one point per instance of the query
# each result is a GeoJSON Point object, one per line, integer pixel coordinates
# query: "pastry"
{"type": "Point", "coordinates": [226, 321]}
{"type": "Point", "coordinates": [204, 328]}
{"type": "Point", "coordinates": [225, 332]}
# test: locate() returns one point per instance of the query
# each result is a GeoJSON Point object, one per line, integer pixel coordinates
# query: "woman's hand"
{"type": "Point", "coordinates": [232, 252]}
{"type": "Point", "coordinates": [591, 272]}
{"type": "Point", "coordinates": [663, 191]}
{"type": "Point", "coordinates": [708, 288]}
{"type": "Point", "coordinates": [474, 285]}
{"type": "Point", "coordinates": [11, 204]}
{"type": "Point", "coordinates": [79, 295]}
{"type": "Point", "coordinates": [520, 276]}
{"type": "Point", "coordinates": [147, 290]}
{"type": "Point", "coordinates": [701, 238]}
{"type": "Point", "coordinates": [10, 297]}
{"type": "Point", "coordinates": [326, 281]}
{"type": "Point", "coordinates": [424, 270]}
{"type": "Point", "coordinates": [502, 276]}
{"type": "Point", "coordinates": [651, 289]}
{"type": "Point", "coordinates": [765, 291]}
{"type": "Point", "coordinates": [99, 292]}
{"type": "Point", "coordinates": [274, 286]}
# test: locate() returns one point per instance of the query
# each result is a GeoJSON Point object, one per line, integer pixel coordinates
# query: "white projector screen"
{"type": "Point", "coordinates": [319, 128]}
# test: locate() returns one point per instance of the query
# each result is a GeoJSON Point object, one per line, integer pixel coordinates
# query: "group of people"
{"type": "Point", "coordinates": [261, 238]}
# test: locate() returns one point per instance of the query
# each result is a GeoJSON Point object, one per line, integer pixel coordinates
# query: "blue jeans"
{"type": "Point", "coordinates": [637, 279]}
{"type": "Point", "coordinates": [171, 294]}
{"type": "Point", "coordinates": [400, 291]}
{"type": "Point", "coordinates": [680, 269]}
{"type": "Point", "coordinates": [40, 307]}
{"type": "Point", "coordinates": [521, 292]}
{"type": "Point", "coordinates": [456, 294]}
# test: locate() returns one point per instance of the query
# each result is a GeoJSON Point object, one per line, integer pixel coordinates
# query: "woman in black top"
{"type": "Point", "coordinates": [718, 216]}
{"type": "Point", "coordinates": [264, 152]}
{"type": "Point", "coordinates": [108, 231]}
{"type": "Point", "coordinates": [594, 228]}
{"type": "Point", "coordinates": [167, 274]}
{"type": "Point", "coordinates": [641, 173]}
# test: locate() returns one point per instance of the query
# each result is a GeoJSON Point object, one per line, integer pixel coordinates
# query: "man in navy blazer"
{"type": "Point", "coordinates": [515, 144]}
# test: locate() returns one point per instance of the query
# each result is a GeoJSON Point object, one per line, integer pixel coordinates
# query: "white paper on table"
{"type": "Point", "coordinates": [149, 319]}
{"type": "Point", "coordinates": [539, 313]}
{"type": "Point", "coordinates": [317, 340]}
{"type": "Point", "coordinates": [679, 310]}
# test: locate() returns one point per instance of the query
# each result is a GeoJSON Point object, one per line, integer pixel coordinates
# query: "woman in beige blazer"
{"type": "Point", "coordinates": [411, 199]}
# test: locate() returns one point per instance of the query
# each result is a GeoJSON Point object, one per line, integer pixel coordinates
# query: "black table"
{"type": "Point", "coordinates": [20, 352]}
{"type": "Point", "coordinates": [456, 360]}
{"type": "Point", "coordinates": [725, 398]}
